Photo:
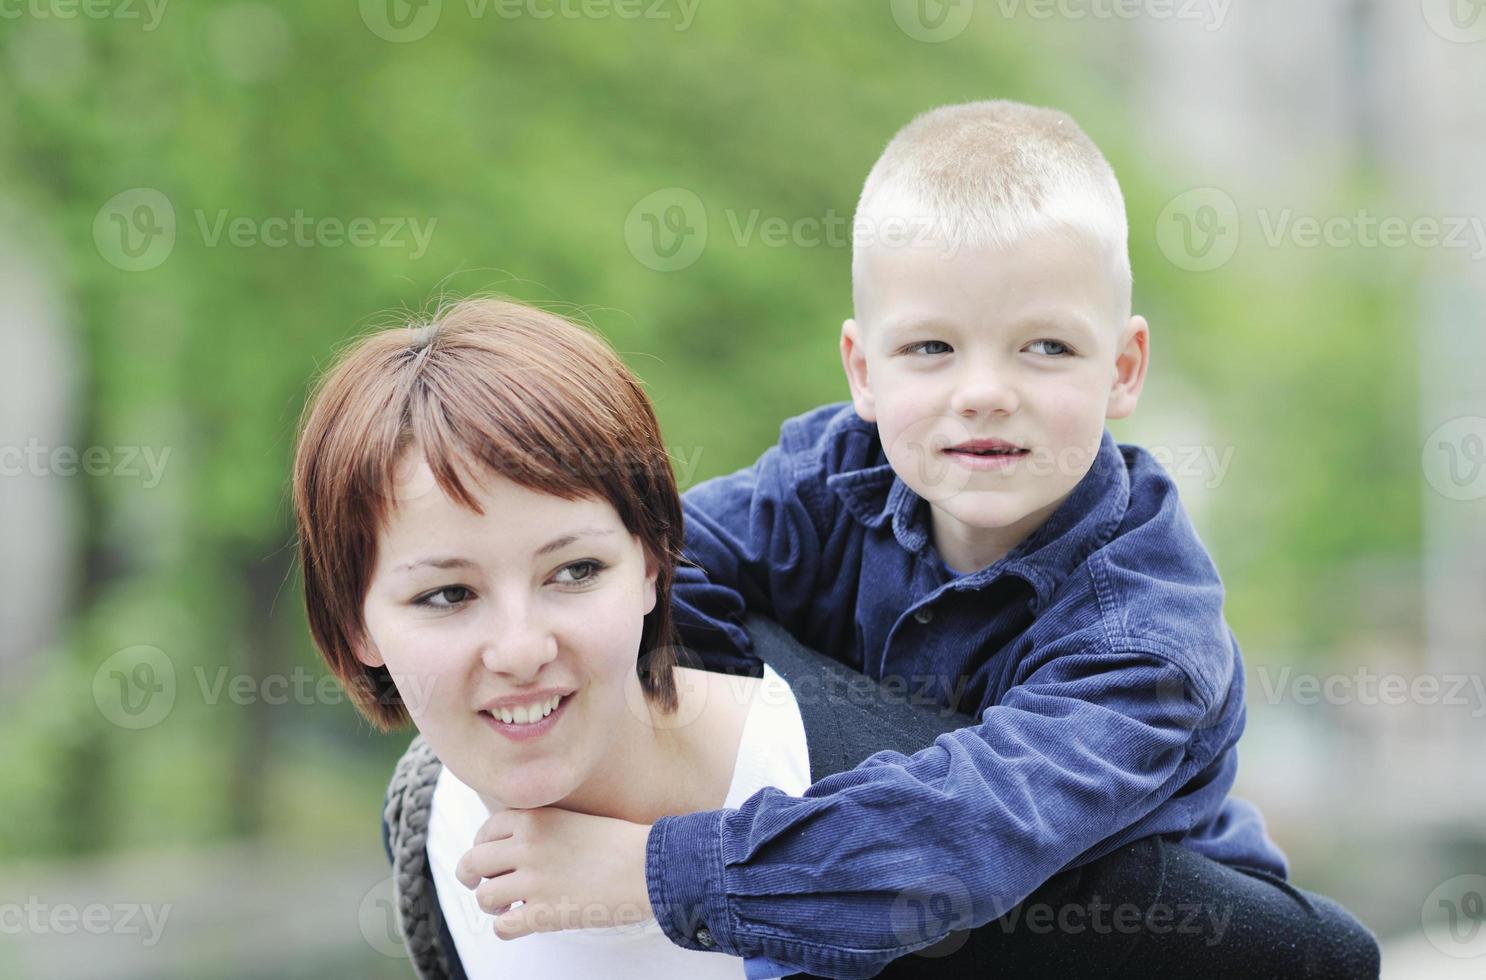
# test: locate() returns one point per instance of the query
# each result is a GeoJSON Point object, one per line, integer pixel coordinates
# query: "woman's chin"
{"type": "Point", "coordinates": [526, 792]}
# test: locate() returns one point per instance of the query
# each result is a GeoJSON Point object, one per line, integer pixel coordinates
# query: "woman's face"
{"type": "Point", "coordinates": [536, 597]}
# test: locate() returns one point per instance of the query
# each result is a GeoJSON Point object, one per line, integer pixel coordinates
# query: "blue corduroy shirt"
{"type": "Point", "coordinates": [1108, 687]}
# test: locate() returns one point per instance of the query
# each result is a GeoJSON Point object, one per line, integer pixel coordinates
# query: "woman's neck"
{"type": "Point", "coordinates": [682, 763]}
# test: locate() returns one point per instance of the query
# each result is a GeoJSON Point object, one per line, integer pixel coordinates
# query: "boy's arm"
{"type": "Point", "coordinates": [890, 857]}
{"type": "Point", "coordinates": [751, 543]}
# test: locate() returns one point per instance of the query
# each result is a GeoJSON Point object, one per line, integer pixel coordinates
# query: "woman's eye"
{"type": "Point", "coordinates": [578, 572]}
{"type": "Point", "coordinates": [453, 595]}
{"type": "Point", "coordinates": [928, 347]}
{"type": "Point", "coordinates": [1052, 348]}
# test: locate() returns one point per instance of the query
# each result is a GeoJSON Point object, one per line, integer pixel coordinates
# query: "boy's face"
{"type": "Point", "coordinates": [990, 373]}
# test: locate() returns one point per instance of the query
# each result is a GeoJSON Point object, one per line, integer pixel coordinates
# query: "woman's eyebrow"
{"type": "Point", "coordinates": [555, 544]}
{"type": "Point", "coordinates": [564, 540]}
{"type": "Point", "coordinates": [435, 563]}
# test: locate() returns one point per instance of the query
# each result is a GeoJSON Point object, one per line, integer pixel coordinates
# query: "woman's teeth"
{"type": "Point", "coordinates": [527, 714]}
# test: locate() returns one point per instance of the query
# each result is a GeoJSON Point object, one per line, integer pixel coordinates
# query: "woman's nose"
{"type": "Point", "coordinates": [516, 644]}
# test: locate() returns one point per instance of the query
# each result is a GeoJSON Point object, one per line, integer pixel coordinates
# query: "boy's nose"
{"type": "Point", "coordinates": [983, 394]}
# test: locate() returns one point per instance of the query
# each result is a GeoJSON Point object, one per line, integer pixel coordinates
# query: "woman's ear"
{"type": "Point", "coordinates": [366, 650]}
{"type": "Point", "coordinates": [854, 361]}
{"type": "Point", "coordinates": [652, 573]}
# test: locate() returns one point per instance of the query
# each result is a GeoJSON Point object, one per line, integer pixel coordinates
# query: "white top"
{"type": "Point", "coordinates": [771, 752]}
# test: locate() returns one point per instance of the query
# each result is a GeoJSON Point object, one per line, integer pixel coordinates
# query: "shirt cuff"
{"type": "Point", "coordinates": [684, 880]}
{"type": "Point", "coordinates": [761, 968]}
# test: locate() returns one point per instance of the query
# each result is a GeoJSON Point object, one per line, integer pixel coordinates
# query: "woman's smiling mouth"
{"type": "Point", "coordinates": [517, 724]}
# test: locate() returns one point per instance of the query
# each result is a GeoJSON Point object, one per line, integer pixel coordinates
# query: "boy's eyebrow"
{"type": "Point", "coordinates": [1071, 321]}
{"type": "Point", "coordinates": [916, 323]}
{"type": "Point", "coordinates": [556, 544]}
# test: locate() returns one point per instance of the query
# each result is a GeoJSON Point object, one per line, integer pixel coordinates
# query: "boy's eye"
{"type": "Point", "coordinates": [452, 595]}
{"type": "Point", "coordinates": [579, 572]}
{"type": "Point", "coordinates": [927, 347]}
{"type": "Point", "coordinates": [1052, 348]}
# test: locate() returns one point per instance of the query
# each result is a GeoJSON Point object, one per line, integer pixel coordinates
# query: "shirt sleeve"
{"type": "Point", "coordinates": [751, 543]}
{"type": "Point", "coordinates": [873, 863]}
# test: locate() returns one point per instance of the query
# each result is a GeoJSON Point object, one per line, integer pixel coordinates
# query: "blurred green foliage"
{"type": "Point", "coordinates": [528, 142]}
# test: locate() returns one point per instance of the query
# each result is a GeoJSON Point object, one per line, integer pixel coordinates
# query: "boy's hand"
{"type": "Point", "coordinates": [569, 871]}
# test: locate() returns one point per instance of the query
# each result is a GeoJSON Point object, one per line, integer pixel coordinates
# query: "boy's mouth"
{"type": "Point", "coordinates": [986, 447]}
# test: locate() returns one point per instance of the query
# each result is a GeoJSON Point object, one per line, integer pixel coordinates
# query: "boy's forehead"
{"type": "Point", "coordinates": [1053, 275]}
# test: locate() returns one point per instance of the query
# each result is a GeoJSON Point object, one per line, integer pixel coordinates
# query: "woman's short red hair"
{"type": "Point", "coordinates": [488, 386]}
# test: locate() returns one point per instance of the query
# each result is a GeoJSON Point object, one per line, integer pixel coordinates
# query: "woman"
{"type": "Point", "coordinates": [488, 529]}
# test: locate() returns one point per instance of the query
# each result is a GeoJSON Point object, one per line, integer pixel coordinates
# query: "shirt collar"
{"type": "Point", "coordinates": [1085, 521]}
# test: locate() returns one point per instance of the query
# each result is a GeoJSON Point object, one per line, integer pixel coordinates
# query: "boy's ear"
{"type": "Point", "coordinates": [854, 360]}
{"type": "Point", "coordinates": [1130, 368]}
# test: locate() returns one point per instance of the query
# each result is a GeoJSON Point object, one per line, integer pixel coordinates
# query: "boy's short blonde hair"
{"type": "Point", "coordinates": [989, 173]}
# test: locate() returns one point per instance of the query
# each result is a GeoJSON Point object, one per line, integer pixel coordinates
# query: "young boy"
{"type": "Point", "coordinates": [968, 527]}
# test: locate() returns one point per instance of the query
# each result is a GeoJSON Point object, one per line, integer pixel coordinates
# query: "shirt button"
{"type": "Point", "coordinates": [924, 615]}
{"type": "Point", "coordinates": [705, 938]}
